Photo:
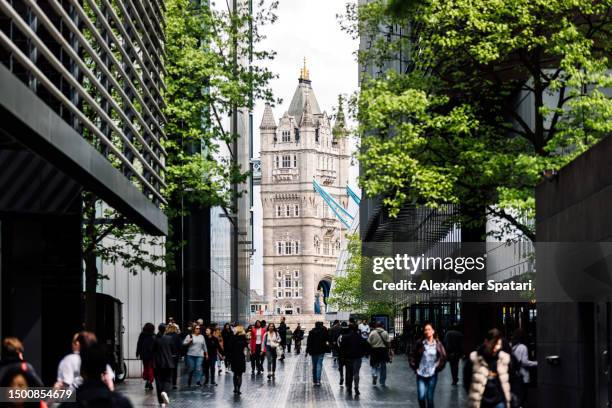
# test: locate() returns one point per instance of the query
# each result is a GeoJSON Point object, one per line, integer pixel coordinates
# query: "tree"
{"type": "Point", "coordinates": [347, 293]}
{"type": "Point", "coordinates": [446, 129]}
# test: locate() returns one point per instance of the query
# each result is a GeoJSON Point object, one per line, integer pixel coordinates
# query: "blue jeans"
{"type": "Point", "coordinates": [425, 389]}
{"type": "Point", "coordinates": [380, 370]}
{"type": "Point", "coordinates": [194, 363]}
{"type": "Point", "coordinates": [317, 367]}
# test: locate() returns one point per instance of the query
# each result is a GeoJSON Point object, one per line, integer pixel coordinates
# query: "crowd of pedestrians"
{"type": "Point", "coordinates": [495, 375]}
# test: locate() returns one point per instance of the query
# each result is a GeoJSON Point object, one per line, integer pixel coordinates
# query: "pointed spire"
{"type": "Point", "coordinates": [304, 73]}
{"type": "Point", "coordinates": [307, 116]}
{"type": "Point", "coordinates": [339, 129]}
{"type": "Point", "coordinates": [267, 121]}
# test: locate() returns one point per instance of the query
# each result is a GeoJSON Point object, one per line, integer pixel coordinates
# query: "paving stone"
{"type": "Point", "coordinates": [293, 388]}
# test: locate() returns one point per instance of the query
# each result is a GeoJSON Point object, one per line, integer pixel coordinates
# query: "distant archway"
{"type": "Point", "coordinates": [324, 286]}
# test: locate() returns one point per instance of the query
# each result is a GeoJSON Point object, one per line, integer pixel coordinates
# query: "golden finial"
{"type": "Point", "coordinates": [304, 74]}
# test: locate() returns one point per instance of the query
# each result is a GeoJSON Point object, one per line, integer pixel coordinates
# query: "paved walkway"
{"type": "Point", "coordinates": [293, 388]}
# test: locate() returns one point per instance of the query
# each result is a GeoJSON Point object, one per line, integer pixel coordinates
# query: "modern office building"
{"type": "Point", "coordinates": [212, 275]}
{"type": "Point", "coordinates": [80, 110]}
{"type": "Point", "coordinates": [301, 235]}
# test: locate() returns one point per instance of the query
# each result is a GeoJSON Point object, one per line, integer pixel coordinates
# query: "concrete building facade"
{"type": "Point", "coordinates": [301, 235]}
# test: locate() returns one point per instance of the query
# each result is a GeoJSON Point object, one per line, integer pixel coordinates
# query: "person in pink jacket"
{"type": "Point", "coordinates": [257, 347]}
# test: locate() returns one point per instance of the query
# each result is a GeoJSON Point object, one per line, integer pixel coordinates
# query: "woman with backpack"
{"type": "Point", "coordinates": [427, 360]}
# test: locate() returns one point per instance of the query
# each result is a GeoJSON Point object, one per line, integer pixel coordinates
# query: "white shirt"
{"type": "Point", "coordinates": [69, 371]}
{"type": "Point", "coordinates": [258, 335]}
{"type": "Point", "coordinates": [365, 330]}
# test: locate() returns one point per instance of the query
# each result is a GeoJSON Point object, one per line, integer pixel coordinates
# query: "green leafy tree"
{"type": "Point", "coordinates": [347, 293]}
{"type": "Point", "coordinates": [446, 128]}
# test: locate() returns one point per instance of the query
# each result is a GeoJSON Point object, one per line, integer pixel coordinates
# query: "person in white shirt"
{"type": "Point", "coordinates": [196, 353]}
{"type": "Point", "coordinates": [69, 369]}
{"type": "Point", "coordinates": [364, 329]}
{"type": "Point", "coordinates": [521, 353]}
{"type": "Point", "coordinates": [271, 342]}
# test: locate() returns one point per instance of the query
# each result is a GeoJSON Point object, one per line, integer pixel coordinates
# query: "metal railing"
{"type": "Point", "coordinates": [99, 65]}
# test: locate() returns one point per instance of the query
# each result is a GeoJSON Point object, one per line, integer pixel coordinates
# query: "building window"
{"type": "Point", "coordinates": [287, 248]}
{"type": "Point", "coordinates": [297, 310]}
{"type": "Point", "coordinates": [286, 161]}
{"type": "Point", "coordinates": [288, 294]}
{"type": "Point", "coordinates": [287, 281]}
{"type": "Point", "coordinates": [326, 247]}
{"type": "Point", "coordinates": [295, 160]}
{"type": "Point", "coordinates": [279, 248]}
{"type": "Point", "coordinates": [279, 211]}
{"type": "Point", "coordinates": [297, 294]}
{"type": "Point", "coordinates": [280, 294]}
{"type": "Point", "coordinates": [276, 162]}
{"type": "Point", "coordinates": [317, 135]}
{"type": "Point", "coordinates": [279, 284]}
{"type": "Point", "coordinates": [297, 247]}
{"type": "Point", "coordinates": [296, 210]}
{"type": "Point", "coordinates": [288, 210]}
{"type": "Point", "coordinates": [278, 310]}
{"type": "Point", "coordinates": [286, 136]}
{"type": "Point", "coordinates": [296, 274]}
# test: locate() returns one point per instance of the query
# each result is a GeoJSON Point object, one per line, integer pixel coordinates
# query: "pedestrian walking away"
{"type": "Point", "coordinates": [364, 329]}
{"type": "Point", "coordinates": [427, 359]}
{"type": "Point", "coordinates": [334, 332]}
{"type": "Point", "coordinates": [237, 353]}
{"type": "Point", "coordinates": [289, 338]}
{"type": "Point", "coordinates": [256, 346]}
{"type": "Point", "coordinates": [210, 362]}
{"type": "Point", "coordinates": [352, 348]}
{"type": "Point", "coordinates": [488, 369]}
{"type": "Point", "coordinates": [298, 336]}
{"type": "Point", "coordinates": [272, 345]}
{"type": "Point", "coordinates": [344, 330]}
{"type": "Point", "coordinates": [379, 357]}
{"type": "Point", "coordinates": [164, 348]}
{"type": "Point", "coordinates": [196, 352]}
{"type": "Point", "coordinates": [282, 331]}
{"type": "Point", "coordinates": [317, 345]}
{"type": "Point", "coordinates": [453, 343]}
{"type": "Point", "coordinates": [523, 364]}
{"type": "Point", "coordinates": [144, 351]}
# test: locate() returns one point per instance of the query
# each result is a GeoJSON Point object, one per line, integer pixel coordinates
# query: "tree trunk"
{"type": "Point", "coordinates": [89, 255]}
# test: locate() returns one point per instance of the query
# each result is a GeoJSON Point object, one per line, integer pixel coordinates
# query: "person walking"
{"type": "Point", "coordinates": [236, 353]}
{"type": "Point", "coordinates": [317, 345]}
{"type": "Point", "coordinates": [210, 362]}
{"type": "Point", "coordinates": [344, 331]}
{"type": "Point", "coordinates": [379, 343]}
{"type": "Point", "coordinates": [282, 331]}
{"type": "Point", "coordinates": [521, 355]}
{"type": "Point", "coordinates": [172, 331]}
{"type": "Point", "coordinates": [298, 336]}
{"type": "Point", "coordinates": [94, 392]}
{"type": "Point", "coordinates": [427, 359]}
{"type": "Point", "coordinates": [227, 333]}
{"type": "Point", "coordinates": [69, 368]}
{"type": "Point", "coordinates": [334, 332]}
{"type": "Point", "coordinates": [288, 339]}
{"type": "Point", "coordinates": [272, 343]}
{"type": "Point", "coordinates": [196, 352]}
{"type": "Point", "coordinates": [164, 348]}
{"type": "Point", "coordinates": [453, 343]}
{"type": "Point", "coordinates": [256, 343]}
{"type": "Point", "coordinates": [217, 334]}
{"type": "Point", "coordinates": [351, 350]}
{"type": "Point", "coordinates": [14, 364]}
{"type": "Point", "coordinates": [364, 329]}
{"type": "Point", "coordinates": [487, 374]}
{"type": "Point", "coordinates": [144, 351]}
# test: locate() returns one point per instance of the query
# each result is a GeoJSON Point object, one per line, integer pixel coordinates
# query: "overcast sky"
{"type": "Point", "coordinates": [305, 28]}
